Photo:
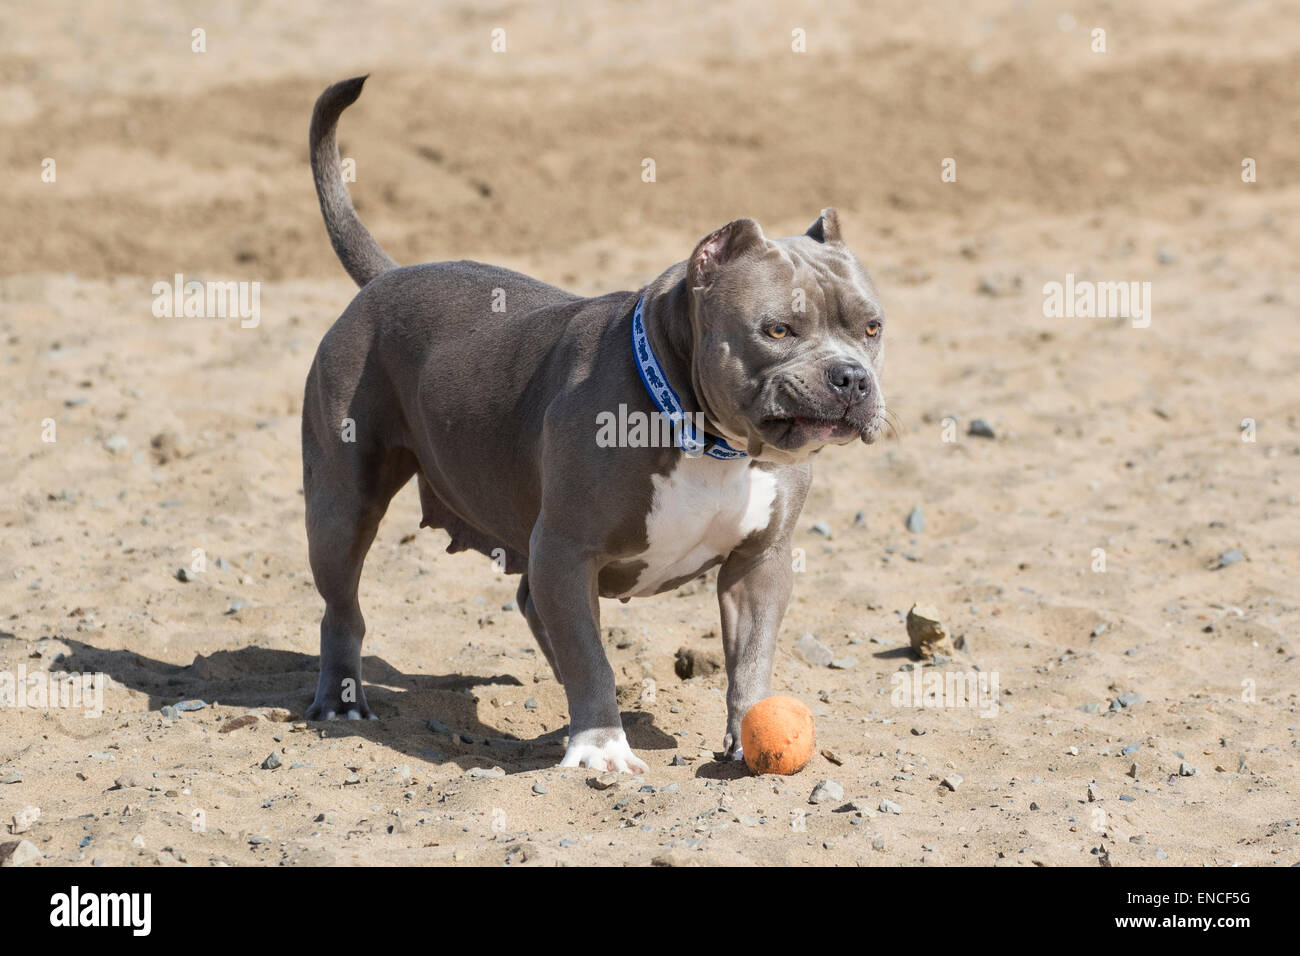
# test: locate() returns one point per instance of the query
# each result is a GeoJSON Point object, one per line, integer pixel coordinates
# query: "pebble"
{"type": "Point", "coordinates": [1093, 792]}
{"type": "Point", "coordinates": [187, 705]}
{"type": "Point", "coordinates": [952, 781]}
{"type": "Point", "coordinates": [1130, 749]}
{"type": "Point", "coordinates": [826, 791]}
{"type": "Point", "coordinates": [915, 521]}
{"type": "Point", "coordinates": [844, 663]}
{"type": "Point", "coordinates": [821, 528]}
{"type": "Point", "coordinates": [351, 780]}
{"type": "Point", "coordinates": [486, 773]}
{"type": "Point", "coordinates": [1227, 558]}
{"type": "Point", "coordinates": [272, 762]}
{"type": "Point", "coordinates": [18, 853]}
{"type": "Point", "coordinates": [116, 443]}
{"type": "Point", "coordinates": [814, 651]}
{"type": "Point", "coordinates": [184, 575]}
{"type": "Point", "coordinates": [170, 712]}
{"type": "Point", "coordinates": [889, 806]}
{"type": "Point", "coordinates": [13, 776]}
{"type": "Point", "coordinates": [925, 630]}
{"type": "Point", "coordinates": [25, 819]}
{"type": "Point", "coordinates": [606, 780]}
{"type": "Point", "coordinates": [236, 605]}
{"type": "Point", "coordinates": [979, 428]}
{"type": "Point", "coordinates": [510, 606]}
{"type": "Point", "coordinates": [1125, 700]}
{"type": "Point", "coordinates": [437, 726]}
{"type": "Point", "coordinates": [540, 788]}
{"type": "Point", "coordinates": [677, 761]}
{"type": "Point", "coordinates": [878, 843]}
{"type": "Point", "coordinates": [257, 839]}
{"type": "Point", "coordinates": [1186, 770]}
{"type": "Point", "coordinates": [531, 704]}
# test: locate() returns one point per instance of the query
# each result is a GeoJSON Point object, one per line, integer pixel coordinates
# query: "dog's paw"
{"type": "Point", "coordinates": [603, 750]}
{"type": "Point", "coordinates": [333, 708]}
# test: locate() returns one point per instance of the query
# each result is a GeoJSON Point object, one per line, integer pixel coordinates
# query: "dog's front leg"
{"type": "Point", "coordinates": [563, 586]}
{"type": "Point", "coordinates": [753, 591]}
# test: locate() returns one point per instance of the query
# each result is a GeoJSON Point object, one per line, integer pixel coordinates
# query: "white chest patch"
{"type": "Point", "coordinates": [701, 510]}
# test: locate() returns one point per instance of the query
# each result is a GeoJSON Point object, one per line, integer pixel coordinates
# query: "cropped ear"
{"type": "Point", "coordinates": [827, 226]}
{"type": "Point", "coordinates": [721, 247]}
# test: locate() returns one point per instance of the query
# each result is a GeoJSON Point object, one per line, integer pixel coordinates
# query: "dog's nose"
{"type": "Point", "coordinates": [850, 380]}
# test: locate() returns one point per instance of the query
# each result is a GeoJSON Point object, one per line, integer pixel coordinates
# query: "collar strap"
{"type": "Point", "coordinates": [666, 400]}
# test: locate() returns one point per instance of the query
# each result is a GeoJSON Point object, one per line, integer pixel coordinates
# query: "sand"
{"type": "Point", "coordinates": [175, 434]}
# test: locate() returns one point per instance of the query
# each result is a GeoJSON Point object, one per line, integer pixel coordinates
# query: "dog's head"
{"type": "Point", "coordinates": [788, 340]}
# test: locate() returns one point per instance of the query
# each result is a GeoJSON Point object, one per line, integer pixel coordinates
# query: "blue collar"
{"type": "Point", "coordinates": [666, 400]}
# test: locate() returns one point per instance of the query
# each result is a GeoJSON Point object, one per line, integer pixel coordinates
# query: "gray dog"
{"type": "Point", "coordinates": [492, 388]}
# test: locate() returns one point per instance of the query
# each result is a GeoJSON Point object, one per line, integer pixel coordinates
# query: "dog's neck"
{"type": "Point", "coordinates": [667, 317]}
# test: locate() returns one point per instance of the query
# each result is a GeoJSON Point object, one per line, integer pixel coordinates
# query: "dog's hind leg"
{"type": "Point", "coordinates": [524, 599]}
{"type": "Point", "coordinates": [347, 491]}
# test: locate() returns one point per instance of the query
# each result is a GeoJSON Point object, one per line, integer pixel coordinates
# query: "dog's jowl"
{"type": "Point", "coordinates": [756, 352]}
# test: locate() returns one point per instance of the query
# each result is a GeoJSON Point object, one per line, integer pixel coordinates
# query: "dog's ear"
{"type": "Point", "coordinates": [827, 226]}
{"type": "Point", "coordinates": [721, 247]}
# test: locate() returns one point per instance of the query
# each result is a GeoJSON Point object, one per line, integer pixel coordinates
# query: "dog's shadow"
{"type": "Point", "coordinates": [432, 718]}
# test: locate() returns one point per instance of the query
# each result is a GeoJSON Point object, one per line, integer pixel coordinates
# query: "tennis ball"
{"type": "Point", "coordinates": [777, 736]}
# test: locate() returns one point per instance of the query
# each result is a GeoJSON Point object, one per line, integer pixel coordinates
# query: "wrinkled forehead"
{"type": "Point", "coordinates": [831, 279]}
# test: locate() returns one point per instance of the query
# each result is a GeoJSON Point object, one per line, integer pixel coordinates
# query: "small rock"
{"type": "Point", "coordinates": [1093, 792]}
{"type": "Point", "coordinates": [926, 631]}
{"type": "Point", "coordinates": [889, 806]}
{"type": "Point", "coordinates": [915, 521]}
{"type": "Point", "coordinates": [1125, 700]}
{"type": "Point", "coordinates": [116, 443]}
{"type": "Point", "coordinates": [486, 773]}
{"type": "Point", "coordinates": [606, 780]}
{"type": "Point", "coordinates": [677, 761]}
{"type": "Point", "coordinates": [1186, 770]}
{"type": "Point", "coordinates": [531, 704]}
{"type": "Point", "coordinates": [185, 575]}
{"type": "Point", "coordinates": [540, 788]}
{"type": "Point", "coordinates": [844, 663]}
{"type": "Point", "coordinates": [25, 819]}
{"type": "Point", "coordinates": [170, 712]}
{"type": "Point", "coordinates": [1133, 771]}
{"type": "Point", "coordinates": [272, 762]}
{"type": "Point", "coordinates": [18, 853]}
{"type": "Point", "coordinates": [952, 781]}
{"type": "Point", "coordinates": [821, 528]}
{"type": "Point", "coordinates": [813, 651]}
{"type": "Point", "coordinates": [691, 663]}
{"type": "Point", "coordinates": [188, 705]}
{"type": "Point", "coordinates": [826, 791]}
{"type": "Point", "coordinates": [1227, 558]}
{"type": "Point", "coordinates": [979, 428]}
{"type": "Point", "coordinates": [13, 776]}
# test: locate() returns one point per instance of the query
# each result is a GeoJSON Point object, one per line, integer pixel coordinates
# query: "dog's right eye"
{"type": "Point", "coordinates": [778, 331]}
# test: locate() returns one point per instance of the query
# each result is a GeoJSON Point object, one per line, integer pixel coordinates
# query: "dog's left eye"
{"type": "Point", "coordinates": [779, 331]}
{"type": "Point", "coordinates": [873, 328]}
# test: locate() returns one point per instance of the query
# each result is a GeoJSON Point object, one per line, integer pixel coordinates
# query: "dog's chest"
{"type": "Point", "coordinates": [701, 511]}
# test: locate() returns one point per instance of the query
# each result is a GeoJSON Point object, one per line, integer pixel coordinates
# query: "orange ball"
{"type": "Point", "coordinates": [777, 735]}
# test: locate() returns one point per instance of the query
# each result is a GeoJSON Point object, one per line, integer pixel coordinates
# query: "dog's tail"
{"type": "Point", "coordinates": [353, 243]}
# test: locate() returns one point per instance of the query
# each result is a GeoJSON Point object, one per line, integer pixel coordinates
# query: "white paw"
{"type": "Point", "coordinates": [585, 750]}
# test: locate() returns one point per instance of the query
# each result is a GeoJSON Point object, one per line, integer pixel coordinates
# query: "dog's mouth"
{"type": "Point", "coordinates": [796, 431]}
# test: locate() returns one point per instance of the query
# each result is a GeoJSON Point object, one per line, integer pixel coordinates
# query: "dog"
{"type": "Point", "coordinates": [488, 385]}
